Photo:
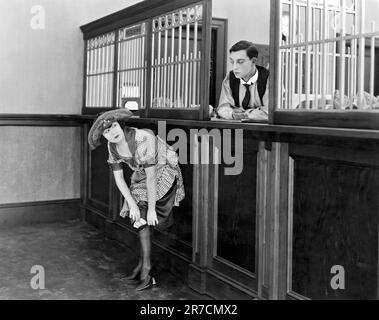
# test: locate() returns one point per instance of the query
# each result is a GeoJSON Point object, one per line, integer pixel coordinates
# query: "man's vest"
{"type": "Point", "coordinates": [234, 82]}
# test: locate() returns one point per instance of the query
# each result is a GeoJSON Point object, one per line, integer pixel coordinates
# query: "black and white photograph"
{"type": "Point", "coordinates": [189, 154]}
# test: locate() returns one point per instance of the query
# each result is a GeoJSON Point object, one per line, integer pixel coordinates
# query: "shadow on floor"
{"type": "Point", "coordinates": [79, 263]}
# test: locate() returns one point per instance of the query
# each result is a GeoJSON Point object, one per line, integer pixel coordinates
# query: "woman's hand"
{"type": "Point", "coordinates": [125, 210]}
{"type": "Point", "coordinates": [134, 212]}
{"type": "Point", "coordinates": [152, 219]}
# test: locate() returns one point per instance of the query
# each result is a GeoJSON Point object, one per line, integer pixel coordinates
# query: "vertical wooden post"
{"type": "Point", "coordinates": [205, 63]}
{"type": "Point", "coordinates": [262, 215]}
{"type": "Point", "coordinates": [274, 59]}
{"type": "Point", "coordinates": [195, 160]}
{"type": "Point", "coordinates": [278, 221]}
{"type": "Point", "coordinates": [204, 200]}
{"type": "Point", "coordinates": [84, 150]}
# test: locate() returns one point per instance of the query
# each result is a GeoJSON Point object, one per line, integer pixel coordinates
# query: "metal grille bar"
{"type": "Point", "coordinates": [100, 67]}
{"type": "Point", "coordinates": [176, 59]}
{"type": "Point", "coordinates": [132, 67]}
{"type": "Point", "coordinates": [323, 56]}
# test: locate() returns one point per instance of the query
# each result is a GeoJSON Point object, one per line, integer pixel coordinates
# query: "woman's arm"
{"type": "Point", "coordinates": [124, 189]}
{"type": "Point", "coordinates": [151, 192]}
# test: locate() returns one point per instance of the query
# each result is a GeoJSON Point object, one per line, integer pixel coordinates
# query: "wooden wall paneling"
{"type": "Point", "coordinates": [197, 185]}
{"type": "Point", "coordinates": [220, 272]}
{"type": "Point", "coordinates": [196, 205]}
{"type": "Point", "coordinates": [283, 220]}
{"type": "Point", "coordinates": [213, 203]}
{"type": "Point", "coordinates": [278, 221]}
{"type": "Point", "coordinates": [205, 199]}
{"type": "Point", "coordinates": [267, 238]}
{"type": "Point", "coordinates": [197, 276]}
{"type": "Point", "coordinates": [290, 223]}
{"type": "Point", "coordinates": [84, 157]}
{"type": "Point", "coordinates": [236, 234]}
{"type": "Point", "coordinates": [335, 222]}
{"type": "Point", "coordinates": [98, 190]}
{"type": "Point", "coordinates": [271, 223]}
{"type": "Point", "coordinates": [261, 246]}
{"type": "Point", "coordinates": [232, 254]}
{"type": "Point", "coordinates": [338, 152]}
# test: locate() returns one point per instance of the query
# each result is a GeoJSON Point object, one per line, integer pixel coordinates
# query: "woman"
{"type": "Point", "coordinates": [156, 184]}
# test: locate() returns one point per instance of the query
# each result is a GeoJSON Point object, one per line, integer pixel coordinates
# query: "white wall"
{"type": "Point", "coordinates": [41, 70]}
{"type": "Point", "coordinates": [247, 19]}
{"type": "Point", "coordinates": [372, 14]}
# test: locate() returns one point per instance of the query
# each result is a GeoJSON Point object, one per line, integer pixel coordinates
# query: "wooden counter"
{"type": "Point", "coordinates": [305, 202]}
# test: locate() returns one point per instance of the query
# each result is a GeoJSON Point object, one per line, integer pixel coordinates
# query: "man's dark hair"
{"type": "Point", "coordinates": [251, 50]}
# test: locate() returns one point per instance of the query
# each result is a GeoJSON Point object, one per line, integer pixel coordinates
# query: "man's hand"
{"type": "Point", "coordinates": [239, 114]}
{"type": "Point", "coordinates": [257, 114]}
{"type": "Point", "coordinates": [152, 219]}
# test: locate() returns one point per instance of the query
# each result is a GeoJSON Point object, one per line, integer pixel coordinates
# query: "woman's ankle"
{"type": "Point", "coordinates": [145, 270]}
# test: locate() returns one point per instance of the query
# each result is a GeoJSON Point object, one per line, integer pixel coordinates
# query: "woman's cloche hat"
{"type": "Point", "coordinates": [103, 122]}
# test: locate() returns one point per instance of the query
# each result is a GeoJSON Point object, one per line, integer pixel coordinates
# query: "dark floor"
{"type": "Point", "coordinates": [79, 263]}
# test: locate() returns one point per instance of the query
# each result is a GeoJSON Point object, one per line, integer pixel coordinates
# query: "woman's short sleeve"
{"type": "Point", "coordinates": [114, 164]}
{"type": "Point", "coordinates": [146, 148]}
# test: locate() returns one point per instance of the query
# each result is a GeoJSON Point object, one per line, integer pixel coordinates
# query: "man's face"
{"type": "Point", "coordinates": [114, 133]}
{"type": "Point", "coordinates": [242, 66]}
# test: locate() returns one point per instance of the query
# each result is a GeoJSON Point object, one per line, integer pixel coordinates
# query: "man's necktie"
{"type": "Point", "coordinates": [246, 100]}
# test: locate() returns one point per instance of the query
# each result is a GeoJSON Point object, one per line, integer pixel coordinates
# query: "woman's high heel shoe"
{"type": "Point", "coordinates": [146, 283]}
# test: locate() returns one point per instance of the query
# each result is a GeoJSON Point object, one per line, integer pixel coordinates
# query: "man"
{"type": "Point", "coordinates": [244, 93]}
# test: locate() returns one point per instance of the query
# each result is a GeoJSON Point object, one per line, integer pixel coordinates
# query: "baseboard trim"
{"type": "Point", "coordinates": [27, 213]}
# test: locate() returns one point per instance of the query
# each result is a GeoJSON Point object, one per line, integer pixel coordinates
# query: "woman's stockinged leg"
{"type": "Point", "coordinates": [146, 279]}
{"type": "Point", "coordinates": [137, 269]}
{"type": "Point", "coordinates": [145, 240]}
